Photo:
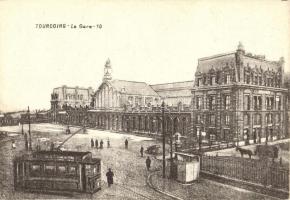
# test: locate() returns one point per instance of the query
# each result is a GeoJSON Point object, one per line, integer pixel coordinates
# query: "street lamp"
{"type": "Point", "coordinates": [163, 139]}
{"type": "Point", "coordinates": [29, 133]}
{"type": "Point", "coordinates": [199, 138]}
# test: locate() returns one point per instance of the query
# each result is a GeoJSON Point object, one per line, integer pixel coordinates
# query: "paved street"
{"type": "Point", "coordinates": [128, 166]}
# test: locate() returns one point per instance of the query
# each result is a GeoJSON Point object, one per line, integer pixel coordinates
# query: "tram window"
{"type": "Point", "coordinates": [72, 170]}
{"type": "Point", "coordinates": [61, 169]}
{"type": "Point", "coordinates": [49, 169]}
{"type": "Point", "coordinates": [35, 168]}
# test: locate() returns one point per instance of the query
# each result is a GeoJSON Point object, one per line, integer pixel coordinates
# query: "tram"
{"type": "Point", "coordinates": [57, 171]}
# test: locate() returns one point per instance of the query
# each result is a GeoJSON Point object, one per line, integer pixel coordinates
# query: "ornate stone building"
{"type": "Point", "coordinates": [238, 97]}
{"type": "Point", "coordinates": [73, 97]}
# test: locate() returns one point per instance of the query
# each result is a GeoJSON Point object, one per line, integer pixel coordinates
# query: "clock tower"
{"type": "Point", "coordinates": [107, 71]}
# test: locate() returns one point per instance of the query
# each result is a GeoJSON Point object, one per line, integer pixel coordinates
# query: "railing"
{"type": "Point", "coordinates": [251, 170]}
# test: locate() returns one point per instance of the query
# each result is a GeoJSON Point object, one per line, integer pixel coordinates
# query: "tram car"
{"type": "Point", "coordinates": [57, 172]}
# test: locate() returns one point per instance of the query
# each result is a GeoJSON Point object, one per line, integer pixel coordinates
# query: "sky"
{"type": "Point", "coordinates": [150, 41]}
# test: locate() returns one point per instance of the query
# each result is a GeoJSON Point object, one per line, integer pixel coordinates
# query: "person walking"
{"type": "Point", "coordinates": [141, 151]}
{"type": "Point", "coordinates": [148, 163]}
{"type": "Point", "coordinates": [101, 144]}
{"type": "Point", "coordinates": [110, 177]}
{"type": "Point", "coordinates": [13, 144]}
{"type": "Point", "coordinates": [97, 143]}
{"type": "Point", "coordinates": [126, 144]}
{"type": "Point", "coordinates": [92, 143]}
{"type": "Point", "coordinates": [108, 143]}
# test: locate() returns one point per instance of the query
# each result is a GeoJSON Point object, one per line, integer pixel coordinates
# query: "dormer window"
{"type": "Point", "coordinates": [199, 82]}
{"type": "Point", "coordinates": [227, 79]}
{"type": "Point", "coordinates": [212, 80]}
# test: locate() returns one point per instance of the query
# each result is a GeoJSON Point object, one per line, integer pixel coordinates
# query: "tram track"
{"type": "Point", "coordinates": [144, 196]}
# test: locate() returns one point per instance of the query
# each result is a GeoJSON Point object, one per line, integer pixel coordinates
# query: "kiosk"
{"type": "Point", "coordinates": [188, 167]}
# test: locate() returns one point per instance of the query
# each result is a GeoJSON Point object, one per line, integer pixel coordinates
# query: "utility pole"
{"type": "Point", "coordinates": [29, 132]}
{"type": "Point", "coordinates": [163, 139]}
{"type": "Point", "coordinates": [22, 131]}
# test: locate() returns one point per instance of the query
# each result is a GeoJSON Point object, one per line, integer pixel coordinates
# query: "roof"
{"type": "Point", "coordinates": [216, 62]}
{"type": "Point", "coordinates": [260, 64]}
{"type": "Point", "coordinates": [133, 87]}
{"type": "Point", "coordinates": [173, 85]}
{"type": "Point", "coordinates": [174, 89]}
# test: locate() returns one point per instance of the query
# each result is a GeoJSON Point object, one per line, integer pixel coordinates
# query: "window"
{"type": "Point", "coordinates": [49, 169]}
{"type": "Point", "coordinates": [148, 100]}
{"type": "Point", "coordinates": [257, 119]}
{"type": "Point", "coordinates": [61, 169]}
{"type": "Point", "coordinates": [246, 119]}
{"type": "Point", "coordinates": [72, 170]}
{"type": "Point", "coordinates": [278, 102]}
{"type": "Point", "coordinates": [248, 78]}
{"type": "Point", "coordinates": [138, 101]}
{"type": "Point", "coordinates": [198, 119]}
{"type": "Point", "coordinates": [269, 103]}
{"type": "Point", "coordinates": [227, 101]}
{"type": "Point", "coordinates": [256, 80]}
{"type": "Point", "coordinates": [35, 168]}
{"type": "Point", "coordinates": [81, 97]}
{"type": "Point", "coordinates": [212, 119]}
{"type": "Point", "coordinates": [211, 103]}
{"type": "Point", "coordinates": [247, 102]}
{"type": "Point", "coordinates": [269, 119]}
{"type": "Point", "coordinates": [198, 102]}
{"type": "Point", "coordinates": [260, 80]}
{"type": "Point", "coordinates": [212, 80]}
{"type": "Point", "coordinates": [257, 102]}
{"type": "Point", "coordinates": [227, 79]}
{"type": "Point", "coordinates": [227, 119]}
{"type": "Point", "coordinates": [212, 137]}
{"type": "Point", "coordinates": [199, 81]}
{"type": "Point", "coordinates": [130, 100]}
{"type": "Point", "coordinates": [278, 119]}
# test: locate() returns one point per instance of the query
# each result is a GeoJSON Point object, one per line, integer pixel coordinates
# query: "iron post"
{"type": "Point", "coordinates": [163, 139]}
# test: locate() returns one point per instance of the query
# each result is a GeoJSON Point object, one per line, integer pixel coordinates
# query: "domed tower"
{"type": "Point", "coordinates": [107, 71]}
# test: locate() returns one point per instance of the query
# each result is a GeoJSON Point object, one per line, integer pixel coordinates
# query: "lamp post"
{"type": "Point", "coordinates": [29, 132]}
{"type": "Point", "coordinates": [22, 131]}
{"type": "Point", "coordinates": [199, 138]}
{"type": "Point", "coordinates": [163, 139]}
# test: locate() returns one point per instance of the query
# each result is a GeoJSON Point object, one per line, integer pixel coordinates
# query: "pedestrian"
{"type": "Point", "coordinates": [97, 143]}
{"type": "Point", "coordinates": [51, 146]}
{"type": "Point", "coordinates": [38, 145]}
{"type": "Point", "coordinates": [92, 143]}
{"type": "Point", "coordinates": [141, 151]}
{"type": "Point", "coordinates": [110, 178]}
{"type": "Point", "coordinates": [126, 144]}
{"type": "Point", "coordinates": [13, 144]}
{"type": "Point", "coordinates": [101, 144]}
{"type": "Point", "coordinates": [108, 143]}
{"type": "Point", "coordinates": [148, 163]}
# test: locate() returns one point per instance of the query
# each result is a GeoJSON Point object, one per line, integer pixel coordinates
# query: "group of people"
{"type": "Point", "coordinates": [96, 143]}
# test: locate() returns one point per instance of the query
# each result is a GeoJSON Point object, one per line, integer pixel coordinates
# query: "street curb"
{"type": "Point", "coordinates": [149, 183]}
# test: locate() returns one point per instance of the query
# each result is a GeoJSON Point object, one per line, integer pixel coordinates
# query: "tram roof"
{"type": "Point", "coordinates": [62, 153]}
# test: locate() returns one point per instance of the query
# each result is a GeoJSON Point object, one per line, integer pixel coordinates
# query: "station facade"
{"type": "Point", "coordinates": [235, 97]}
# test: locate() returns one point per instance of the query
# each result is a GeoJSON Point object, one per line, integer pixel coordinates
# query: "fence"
{"type": "Point", "coordinates": [251, 170]}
